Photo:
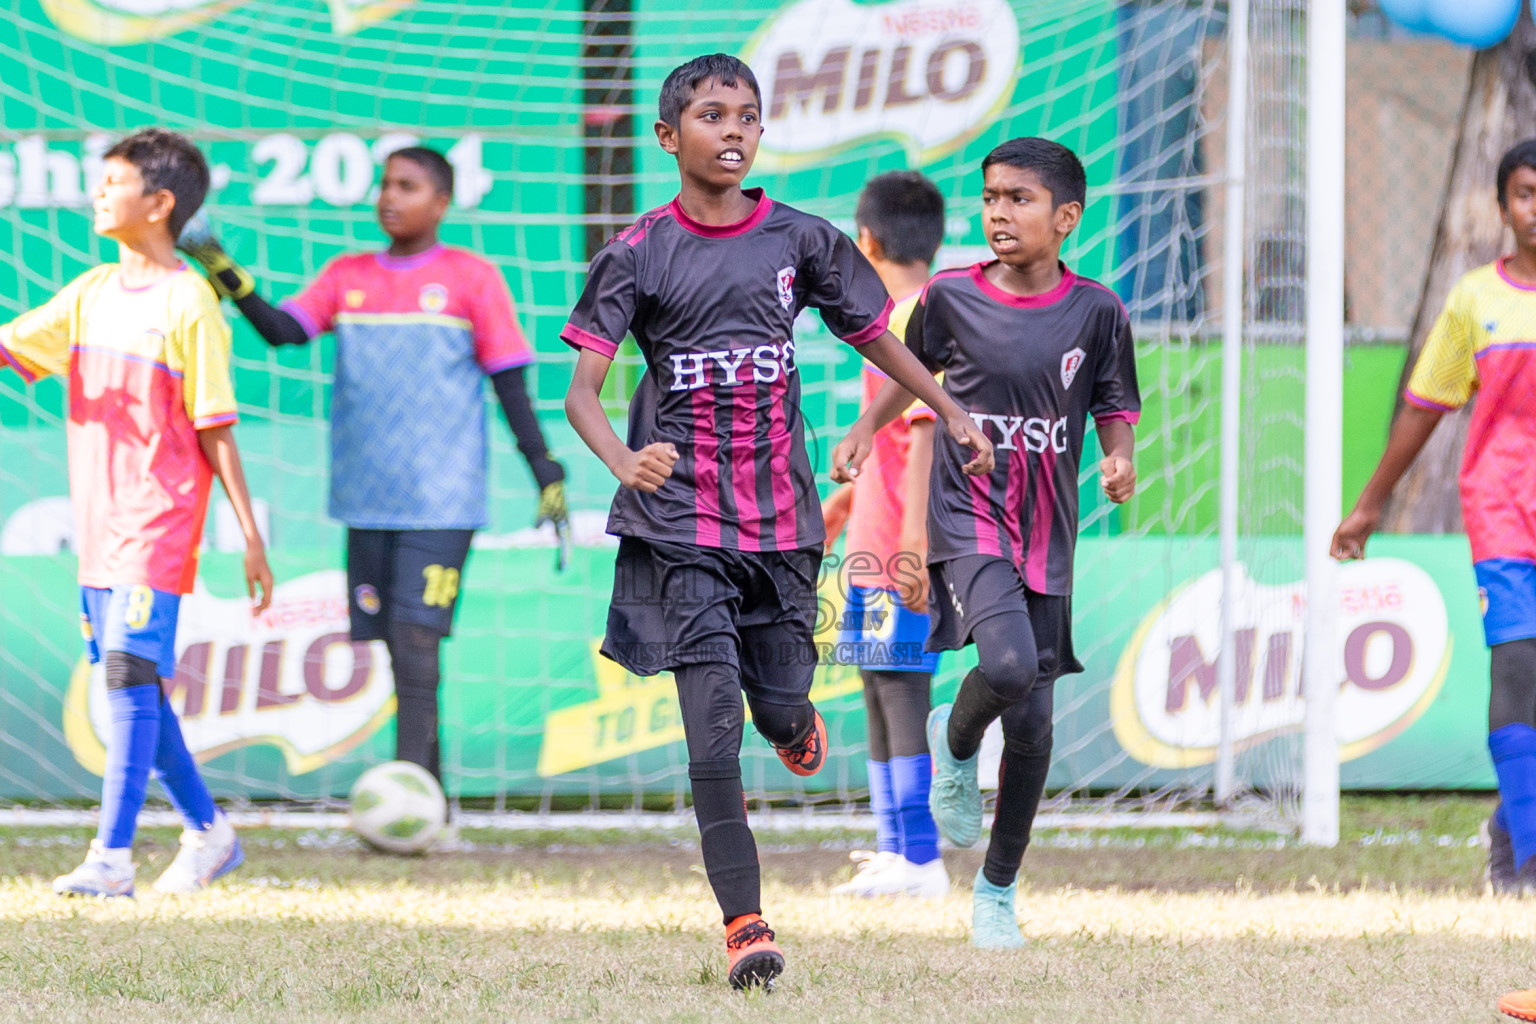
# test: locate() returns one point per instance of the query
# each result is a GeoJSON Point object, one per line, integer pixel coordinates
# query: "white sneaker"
{"type": "Point", "coordinates": [203, 856]}
{"type": "Point", "coordinates": [903, 878]}
{"type": "Point", "coordinates": [869, 864]}
{"type": "Point", "coordinates": [105, 873]}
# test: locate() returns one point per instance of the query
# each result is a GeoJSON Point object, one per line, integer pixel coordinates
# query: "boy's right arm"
{"type": "Point", "coordinates": [645, 470]}
{"type": "Point", "coordinates": [1443, 379]}
{"type": "Point", "coordinates": [908, 378]}
{"type": "Point", "coordinates": [232, 281]}
{"type": "Point", "coordinates": [1409, 433]}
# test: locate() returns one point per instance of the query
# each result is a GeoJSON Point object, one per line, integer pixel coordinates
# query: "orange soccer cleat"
{"type": "Point", "coordinates": [1521, 1005]}
{"type": "Point", "coordinates": [807, 756]}
{"type": "Point", "coordinates": [755, 959]}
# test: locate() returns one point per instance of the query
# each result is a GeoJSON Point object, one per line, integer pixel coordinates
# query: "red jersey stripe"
{"type": "Point", "coordinates": [749, 518]}
{"type": "Point", "coordinates": [706, 469]}
{"type": "Point", "coordinates": [1040, 527]}
{"type": "Point", "coordinates": [781, 442]}
{"type": "Point", "coordinates": [981, 505]}
{"type": "Point", "coordinates": [1013, 505]}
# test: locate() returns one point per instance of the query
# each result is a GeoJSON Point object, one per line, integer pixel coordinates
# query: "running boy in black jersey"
{"type": "Point", "coordinates": [719, 521]}
{"type": "Point", "coordinates": [1031, 350]}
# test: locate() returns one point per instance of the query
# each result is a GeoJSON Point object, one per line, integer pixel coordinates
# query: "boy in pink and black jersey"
{"type": "Point", "coordinates": [719, 521]}
{"type": "Point", "coordinates": [1031, 351]}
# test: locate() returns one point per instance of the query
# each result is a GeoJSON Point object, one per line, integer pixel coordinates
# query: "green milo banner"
{"type": "Point", "coordinates": [284, 705]}
{"type": "Point", "coordinates": [297, 104]}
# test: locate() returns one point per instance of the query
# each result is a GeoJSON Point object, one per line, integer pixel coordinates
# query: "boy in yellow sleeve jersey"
{"type": "Point", "coordinates": [146, 353]}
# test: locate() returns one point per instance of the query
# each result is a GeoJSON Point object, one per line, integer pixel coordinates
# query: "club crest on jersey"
{"type": "Point", "coordinates": [433, 298]}
{"type": "Point", "coordinates": [1069, 364]}
{"type": "Point", "coordinates": [787, 287]}
{"type": "Point", "coordinates": [367, 599]}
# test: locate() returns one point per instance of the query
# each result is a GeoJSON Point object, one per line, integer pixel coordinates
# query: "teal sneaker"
{"type": "Point", "coordinates": [994, 924]}
{"type": "Point", "coordinates": [954, 798]}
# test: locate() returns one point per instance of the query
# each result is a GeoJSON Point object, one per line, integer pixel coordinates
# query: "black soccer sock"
{"type": "Point", "coordinates": [730, 851]}
{"type": "Point", "coordinates": [977, 705]}
{"type": "Point", "coordinates": [1020, 782]}
{"type": "Point", "coordinates": [413, 650]}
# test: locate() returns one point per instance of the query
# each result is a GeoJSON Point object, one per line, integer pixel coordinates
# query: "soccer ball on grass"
{"type": "Point", "coordinates": [398, 807]}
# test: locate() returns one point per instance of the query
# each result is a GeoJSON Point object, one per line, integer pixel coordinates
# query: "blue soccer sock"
{"type": "Point", "coordinates": [883, 805]}
{"type": "Point", "coordinates": [177, 770]}
{"type": "Point", "coordinates": [1514, 762]}
{"type": "Point", "coordinates": [910, 779]}
{"type": "Point", "coordinates": [130, 753]}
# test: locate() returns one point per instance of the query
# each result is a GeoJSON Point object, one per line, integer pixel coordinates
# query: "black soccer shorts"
{"type": "Point", "coordinates": [682, 604]}
{"type": "Point", "coordinates": [404, 576]}
{"type": "Point", "coordinates": [971, 589]}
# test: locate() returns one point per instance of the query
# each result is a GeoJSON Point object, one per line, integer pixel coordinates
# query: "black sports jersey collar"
{"type": "Point", "coordinates": [757, 216]}
{"type": "Point", "coordinates": [1050, 298]}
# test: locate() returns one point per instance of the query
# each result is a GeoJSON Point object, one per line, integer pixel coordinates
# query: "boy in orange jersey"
{"type": "Point", "coordinates": [900, 220]}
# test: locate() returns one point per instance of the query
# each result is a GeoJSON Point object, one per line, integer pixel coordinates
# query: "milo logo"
{"type": "Point", "coordinates": [834, 73]}
{"type": "Point", "coordinates": [1393, 650]}
{"type": "Point", "coordinates": [291, 679]}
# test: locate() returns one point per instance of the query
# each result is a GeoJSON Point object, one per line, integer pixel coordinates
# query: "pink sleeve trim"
{"type": "Point", "coordinates": [877, 327]}
{"type": "Point", "coordinates": [15, 364]}
{"type": "Point", "coordinates": [1424, 403]}
{"type": "Point", "coordinates": [221, 420]}
{"type": "Point", "coordinates": [508, 362]}
{"type": "Point", "coordinates": [298, 312]}
{"type": "Point", "coordinates": [1120, 416]}
{"type": "Point", "coordinates": [577, 338]}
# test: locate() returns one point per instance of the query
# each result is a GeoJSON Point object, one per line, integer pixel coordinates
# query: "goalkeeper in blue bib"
{"type": "Point", "coordinates": [418, 327]}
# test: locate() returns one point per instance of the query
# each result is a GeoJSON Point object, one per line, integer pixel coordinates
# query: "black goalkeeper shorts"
{"type": "Point", "coordinates": [404, 576]}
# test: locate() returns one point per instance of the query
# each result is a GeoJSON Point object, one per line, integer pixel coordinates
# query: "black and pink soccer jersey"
{"type": "Point", "coordinates": [1030, 371]}
{"type": "Point", "coordinates": [712, 309]}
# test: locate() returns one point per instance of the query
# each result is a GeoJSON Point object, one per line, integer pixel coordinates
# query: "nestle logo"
{"type": "Point", "coordinates": [838, 73]}
{"type": "Point", "coordinates": [945, 18]}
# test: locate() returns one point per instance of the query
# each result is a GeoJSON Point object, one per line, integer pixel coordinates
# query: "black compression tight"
{"type": "Point", "coordinates": [1512, 699]}
{"type": "Point", "coordinates": [1006, 674]}
{"type": "Point", "coordinates": [896, 706]}
{"type": "Point", "coordinates": [709, 698]}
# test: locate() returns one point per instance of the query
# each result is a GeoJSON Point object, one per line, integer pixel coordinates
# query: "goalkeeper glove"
{"type": "Point", "coordinates": [228, 278]}
{"type": "Point", "coordinates": [552, 510]}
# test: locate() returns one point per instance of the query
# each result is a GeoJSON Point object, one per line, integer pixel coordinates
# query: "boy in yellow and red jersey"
{"type": "Point", "coordinates": [1484, 345]}
{"type": "Point", "coordinates": [146, 352]}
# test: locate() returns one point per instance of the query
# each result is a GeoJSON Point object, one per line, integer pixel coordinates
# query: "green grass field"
{"type": "Point", "coordinates": [548, 926]}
